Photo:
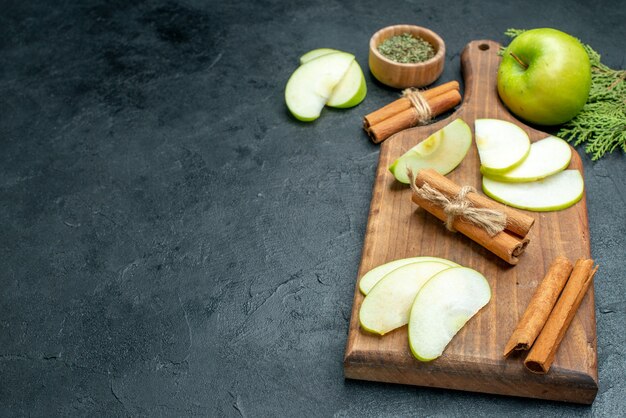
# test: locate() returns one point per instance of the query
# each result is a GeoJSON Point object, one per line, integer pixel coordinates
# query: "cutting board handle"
{"type": "Point", "coordinates": [480, 62]}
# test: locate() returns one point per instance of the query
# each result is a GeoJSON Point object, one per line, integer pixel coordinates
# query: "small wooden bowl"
{"type": "Point", "coordinates": [395, 74]}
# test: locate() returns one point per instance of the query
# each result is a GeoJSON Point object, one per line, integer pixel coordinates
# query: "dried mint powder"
{"type": "Point", "coordinates": [406, 49]}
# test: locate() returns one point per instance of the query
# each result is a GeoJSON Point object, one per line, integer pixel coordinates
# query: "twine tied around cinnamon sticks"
{"type": "Point", "coordinates": [413, 108]}
{"type": "Point", "coordinates": [419, 102]}
{"type": "Point", "coordinates": [492, 221]}
{"type": "Point", "coordinates": [511, 240]}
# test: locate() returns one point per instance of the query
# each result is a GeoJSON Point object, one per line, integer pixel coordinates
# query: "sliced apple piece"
{"type": "Point", "coordinates": [442, 151]}
{"type": "Point", "coordinates": [501, 145]}
{"type": "Point", "coordinates": [369, 279]}
{"type": "Point", "coordinates": [388, 305]}
{"type": "Point", "coordinates": [315, 54]}
{"type": "Point", "coordinates": [351, 90]}
{"type": "Point", "coordinates": [559, 191]}
{"type": "Point", "coordinates": [312, 84]}
{"type": "Point", "coordinates": [442, 307]}
{"type": "Point", "coordinates": [546, 157]}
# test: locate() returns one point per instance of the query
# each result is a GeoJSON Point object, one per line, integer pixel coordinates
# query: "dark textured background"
{"type": "Point", "coordinates": [174, 243]}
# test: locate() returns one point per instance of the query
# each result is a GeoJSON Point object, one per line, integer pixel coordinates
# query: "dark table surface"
{"type": "Point", "coordinates": [174, 243]}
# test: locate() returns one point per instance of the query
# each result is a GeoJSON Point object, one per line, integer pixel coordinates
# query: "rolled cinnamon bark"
{"type": "Point", "coordinates": [542, 353]}
{"type": "Point", "coordinates": [386, 112]}
{"type": "Point", "coordinates": [439, 90]}
{"type": "Point", "coordinates": [540, 306]}
{"type": "Point", "coordinates": [403, 103]}
{"type": "Point", "coordinates": [516, 222]}
{"type": "Point", "coordinates": [410, 117]}
{"type": "Point", "coordinates": [398, 122]}
{"type": "Point", "coordinates": [503, 244]}
{"type": "Point", "coordinates": [443, 102]}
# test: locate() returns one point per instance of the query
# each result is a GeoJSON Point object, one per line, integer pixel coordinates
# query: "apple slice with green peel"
{"type": "Point", "coordinates": [442, 151]}
{"type": "Point", "coordinates": [546, 157]}
{"type": "Point", "coordinates": [559, 191]}
{"type": "Point", "coordinates": [312, 84]}
{"type": "Point", "coordinates": [315, 53]}
{"type": "Point", "coordinates": [388, 305]}
{"type": "Point", "coordinates": [501, 145]}
{"type": "Point", "coordinates": [351, 90]}
{"type": "Point", "coordinates": [369, 279]}
{"type": "Point", "coordinates": [441, 308]}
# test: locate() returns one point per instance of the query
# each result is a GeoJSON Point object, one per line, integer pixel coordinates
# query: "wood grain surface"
{"type": "Point", "coordinates": [473, 360]}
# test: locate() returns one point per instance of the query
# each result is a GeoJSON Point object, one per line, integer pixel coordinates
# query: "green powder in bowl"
{"type": "Point", "coordinates": [406, 49]}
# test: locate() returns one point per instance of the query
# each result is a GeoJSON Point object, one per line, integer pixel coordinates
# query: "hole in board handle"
{"type": "Point", "coordinates": [483, 47]}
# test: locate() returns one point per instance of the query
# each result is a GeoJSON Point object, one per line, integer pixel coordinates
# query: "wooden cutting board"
{"type": "Point", "coordinates": [473, 360]}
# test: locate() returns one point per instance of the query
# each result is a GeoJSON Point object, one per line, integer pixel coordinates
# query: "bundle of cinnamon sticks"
{"type": "Point", "coordinates": [508, 244]}
{"type": "Point", "coordinates": [409, 111]}
{"type": "Point", "coordinates": [550, 312]}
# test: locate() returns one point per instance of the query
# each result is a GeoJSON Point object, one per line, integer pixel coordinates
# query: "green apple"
{"type": "Point", "coordinates": [387, 306]}
{"type": "Point", "coordinates": [369, 279]}
{"type": "Point", "coordinates": [442, 151]}
{"type": "Point", "coordinates": [544, 76]}
{"type": "Point", "coordinates": [442, 307]}
{"type": "Point", "coordinates": [559, 191]}
{"type": "Point", "coordinates": [315, 54]}
{"type": "Point", "coordinates": [546, 157]}
{"type": "Point", "coordinates": [501, 145]}
{"type": "Point", "coordinates": [352, 88]}
{"type": "Point", "coordinates": [312, 84]}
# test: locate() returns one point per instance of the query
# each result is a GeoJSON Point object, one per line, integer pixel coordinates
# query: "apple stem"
{"type": "Point", "coordinates": [519, 61]}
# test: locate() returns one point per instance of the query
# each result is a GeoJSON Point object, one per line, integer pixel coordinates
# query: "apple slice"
{"type": "Point", "coordinates": [369, 279]}
{"type": "Point", "coordinates": [312, 84]}
{"type": "Point", "coordinates": [351, 90]}
{"type": "Point", "coordinates": [441, 308]}
{"type": "Point", "coordinates": [546, 157]}
{"type": "Point", "coordinates": [442, 151]}
{"type": "Point", "coordinates": [388, 305]}
{"type": "Point", "coordinates": [559, 191]}
{"type": "Point", "coordinates": [501, 145]}
{"type": "Point", "coordinates": [315, 53]}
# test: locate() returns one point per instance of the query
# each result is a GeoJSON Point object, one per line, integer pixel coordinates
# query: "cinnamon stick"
{"type": "Point", "coordinates": [386, 112]}
{"type": "Point", "coordinates": [540, 306]}
{"type": "Point", "coordinates": [444, 102]}
{"type": "Point", "coordinates": [516, 222]}
{"type": "Point", "coordinates": [439, 90]}
{"type": "Point", "coordinates": [410, 117]}
{"type": "Point", "coordinates": [503, 244]}
{"type": "Point", "coordinates": [398, 122]}
{"type": "Point", "coordinates": [542, 353]}
{"type": "Point", "coordinates": [403, 103]}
